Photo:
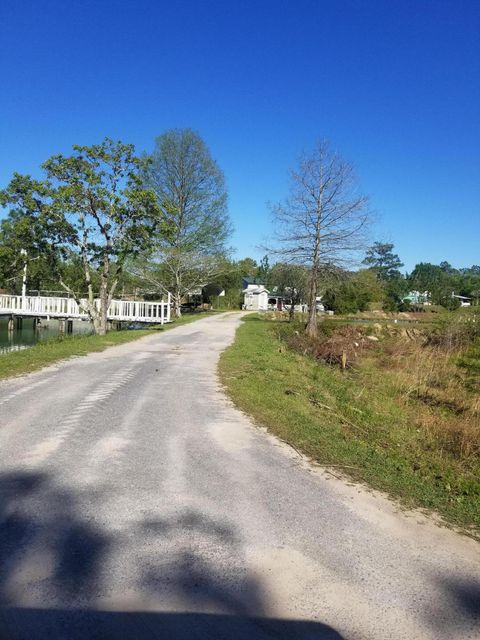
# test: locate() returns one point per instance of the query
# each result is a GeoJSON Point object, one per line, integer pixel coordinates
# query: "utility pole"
{"type": "Point", "coordinates": [23, 252]}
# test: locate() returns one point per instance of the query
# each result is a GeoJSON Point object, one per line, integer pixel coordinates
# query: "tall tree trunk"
{"type": "Point", "coordinates": [176, 303]}
{"type": "Point", "coordinates": [100, 325]}
{"type": "Point", "coordinates": [311, 328]}
{"type": "Point", "coordinates": [291, 313]}
{"type": "Point", "coordinates": [100, 322]}
{"type": "Point", "coordinates": [177, 297]}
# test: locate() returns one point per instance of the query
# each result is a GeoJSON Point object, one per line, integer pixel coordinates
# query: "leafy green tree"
{"type": "Point", "coordinates": [380, 257]}
{"type": "Point", "coordinates": [230, 276]}
{"type": "Point", "coordinates": [230, 279]}
{"type": "Point", "coordinates": [353, 292]}
{"type": "Point", "coordinates": [263, 271]}
{"type": "Point", "coordinates": [248, 267]}
{"type": "Point", "coordinates": [71, 272]}
{"type": "Point", "coordinates": [475, 293]}
{"type": "Point", "coordinates": [395, 291]}
{"type": "Point", "coordinates": [190, 192]}
{"type": "Point", "coordinates": [345, 299]}
{"type": "Point", "coordinates": [432, 279]}
{"type": "Point", "coordinates": [107, 214]}
{"type": "Point", "coordinates": [467, 282]}
{"type": "Point", "coordinates": [22, 237]}
{"type": "Point", "coordinates": [94, 206]}
{"type": "Point", "coordinates": [445, 299]}
{"type": "Point", "coordinates": [446, 267]}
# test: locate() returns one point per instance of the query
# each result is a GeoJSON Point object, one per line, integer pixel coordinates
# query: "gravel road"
{"type": "Point", "coordinates": [136, 502]}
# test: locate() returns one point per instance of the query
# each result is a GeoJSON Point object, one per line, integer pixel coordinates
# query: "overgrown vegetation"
{"type": "Point", "coordinates": [397, 407]}
{"type": "Point", "coordinates": [50, 351]}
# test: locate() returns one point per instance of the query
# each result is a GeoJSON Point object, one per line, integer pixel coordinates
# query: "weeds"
{"type": "Point", "coordinates": [433, 368]}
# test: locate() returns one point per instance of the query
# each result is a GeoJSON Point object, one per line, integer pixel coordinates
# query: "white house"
{"type": "Point", "coordinates": [465, 301]}
{"type": "Point", "coordinates": [418, 297]}
{"type": "Point", "coordinates": [255, 296]}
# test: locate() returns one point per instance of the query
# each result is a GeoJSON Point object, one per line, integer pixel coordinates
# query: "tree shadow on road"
{"type": "Point", "coordinates": [463, 595]}
{"type": "Point", "coordinates": [53, 574]}
{"type": "Point", "coordinates": [40, 532]}
{"type": "Point", "coordinates": [467, 596]}
{"type": "Point", "coordinates": [89, 624]}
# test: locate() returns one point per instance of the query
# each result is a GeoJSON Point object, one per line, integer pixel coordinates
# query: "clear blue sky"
{"type": "Point", "coordinates": [394, 85]}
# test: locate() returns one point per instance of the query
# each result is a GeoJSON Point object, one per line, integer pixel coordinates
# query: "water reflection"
{"type": "Point", "coordinates": [30, 333]}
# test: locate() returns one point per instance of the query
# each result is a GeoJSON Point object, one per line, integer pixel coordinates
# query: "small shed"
{"type": "Point", "coordinates": [255, 298]}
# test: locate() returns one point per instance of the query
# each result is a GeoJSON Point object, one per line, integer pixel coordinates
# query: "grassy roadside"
{"type": "Point", "coordinates": [354, 420]}
{"type": "Point", "coordinates": [50, 351]}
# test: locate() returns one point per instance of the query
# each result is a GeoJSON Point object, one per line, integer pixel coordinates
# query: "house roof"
{"type": "Point", "coordinates": [256, 291]}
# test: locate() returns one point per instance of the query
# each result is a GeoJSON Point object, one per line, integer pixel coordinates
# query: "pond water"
{"type": "Point", "coordinates": [28, 335]}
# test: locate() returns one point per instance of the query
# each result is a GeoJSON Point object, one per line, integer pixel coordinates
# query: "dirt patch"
{"type": "Point", "coordinates": [341, 347]}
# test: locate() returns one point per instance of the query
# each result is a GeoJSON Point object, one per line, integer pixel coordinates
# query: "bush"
{"type": "Point", "coordinates": [346, 298]}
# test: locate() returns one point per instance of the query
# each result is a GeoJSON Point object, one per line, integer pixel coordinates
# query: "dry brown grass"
{"type": "Point", "coordinates": [459, 437]}
{"type": "Point", "coordinates": [425, 372]}
{"type": "Point", "coordinates": [420, 366]}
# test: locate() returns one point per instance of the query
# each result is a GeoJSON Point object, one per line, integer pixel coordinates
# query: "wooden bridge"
{"type": "Point", "coordinates": [69, 309]}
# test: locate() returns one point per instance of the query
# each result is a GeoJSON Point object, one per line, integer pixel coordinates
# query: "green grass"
{"type": "Point", "coordinates": [354, 420]}
{"type": "Point", "coordinates": [50, 351]}
{"type": "Point", "coordinates": [470, 361]}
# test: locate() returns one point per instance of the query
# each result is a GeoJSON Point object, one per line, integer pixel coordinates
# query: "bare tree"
{"type": "Point", "coordinates": [322, 223]}
{"type": "Point", "coordinates": [180, 271]}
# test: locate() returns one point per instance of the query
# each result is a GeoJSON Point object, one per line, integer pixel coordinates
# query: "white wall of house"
{"type": "Point", "coordinates": [262, 301]}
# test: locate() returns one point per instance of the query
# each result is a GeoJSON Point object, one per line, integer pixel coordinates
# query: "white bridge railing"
{"type": "Point", "coordinates": [121, 310]}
